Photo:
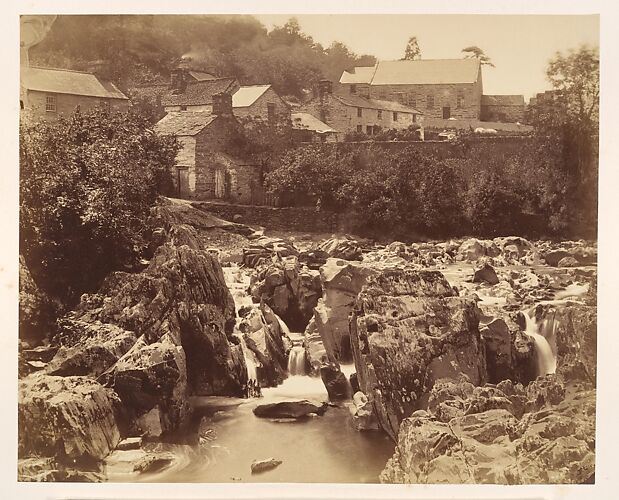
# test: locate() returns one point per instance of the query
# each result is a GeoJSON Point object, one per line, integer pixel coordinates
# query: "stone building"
{"type": "Point", "coordinates": [204, 168]}
{"type": "Point", "coordinates": [308, 128]}
{"type": "Point", "coordinates": [502, 108]}
{"type": "Point", "coordinates": [354, 113]}
{"type": "Point", "coordinates": [259, 102]}
{"type": "Point", "coordinates": [441, 88]}
{"type": "Point", "coordinates": [47, 93]}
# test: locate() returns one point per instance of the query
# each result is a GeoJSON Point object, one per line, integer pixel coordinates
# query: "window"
{"type": "Point", "coordinates": [369, 130]}
{"type": "Point", "coordinates": [353, 89]}
{"type": "Point", "coordinates": [430, 102]}
{"type": "Point", "coordinates": [271, 111]}
{"type": "Point", "coordinates": [380, 114]}
{"type": "Point", "coordinates": [359, 112]}
{"type": "Point", "coordinates": [360, 129]}
{"type": "Point", "coordinates": [395, 116]}
{"type": "Point", "coordinates": [399, 96]}
{"type": "Point", "coordinates": [183, 107]}
{"type": "Point", "coordinates": [21, 104]}
{"type": "Point", "coordinates": [414, 118]}
{"type": "Point", "coordinates": [460, 100]}
{"type": "Point", "coordinates": [412, 101]}
{"type": "Point", "coordinates": [382, 94]}
{"type": "Point", "coordinates": [50, 103]}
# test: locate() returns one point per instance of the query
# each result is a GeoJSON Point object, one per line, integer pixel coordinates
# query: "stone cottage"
{"type": "Point", "coordinates": [308, 128]}
{"type": "Point", "coordinates": [186, 94]}
{"type": "Point", "coordinates": [48, 93]}
{"type": "Point", "coordinates": [355, 113]}
{"type": "Point", "coordinates": [259, 102]}
{"type": "Point", "coordinates": [204, 169]}
{"type": "Point", "coordinates": [502, 108]}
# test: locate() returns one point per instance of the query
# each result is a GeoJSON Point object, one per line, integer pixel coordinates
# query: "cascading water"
{"type": "Point", "coordinates": [296, 360]}
{"type": "Point", "coordinates": [546, 361]}
{"type": "Point", "coordinates": [250, 361]}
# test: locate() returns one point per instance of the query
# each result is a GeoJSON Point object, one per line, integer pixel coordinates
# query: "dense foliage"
{"type": "Point", "coordinates": [86, 186]}
{"type": "Point", "coordinates": [137, 49]}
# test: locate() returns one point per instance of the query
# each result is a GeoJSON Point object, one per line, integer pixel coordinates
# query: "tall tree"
{"type": "Point", "coordinates": [412, 51]}
{"type": "Point", "coordinates": [474, 52]}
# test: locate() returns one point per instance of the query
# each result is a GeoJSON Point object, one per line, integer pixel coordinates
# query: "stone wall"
{"type": "Point", "coordinates": [66, 104]}
{"type": "Point", "coordinates": [502, 113]}
{"type": "Point", "coordinates": [289, 218]}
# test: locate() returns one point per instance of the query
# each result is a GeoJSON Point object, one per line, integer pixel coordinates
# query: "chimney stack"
{"type": "Point", "coordinates": [222, 104]}
{"type": "Point", "coordinates": [178, 80]}
{"type": "Point", "coordinates": [325, 87]}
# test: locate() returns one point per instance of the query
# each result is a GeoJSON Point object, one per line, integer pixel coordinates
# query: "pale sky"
{"type": "Point", "coordinates": [519, 46]}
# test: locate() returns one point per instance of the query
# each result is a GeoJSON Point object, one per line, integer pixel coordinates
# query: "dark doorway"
{"type": "Point", "coordinates": [446, 112]}
{"type": "Point", "coordinates": [182, 182]}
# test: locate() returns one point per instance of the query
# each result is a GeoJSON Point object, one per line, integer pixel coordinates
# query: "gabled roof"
{"type": "Point", "coordinates": [247, 95]}
{"type": "Point", "coordinates": [359, 74]}
{"type": "Point", "coordinates": [64, 81]}
{"type": "Point", "coordinates": [363, 102]}
{"type": "Point", "coordinates": [305, 121]}
{"type": "Point", "coordinates": [502, 100]}
{"type": "Point", "coordinates": [198, 93]}
{"type": "Point", "coordinates": [184, 122]}
{"type": "Point", "coordinates": [201, 76]}
{"type": "Point", "coordinates": [421, 72]}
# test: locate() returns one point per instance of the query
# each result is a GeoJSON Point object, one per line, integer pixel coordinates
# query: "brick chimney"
{"type": "Point", "coordinates": [222, 104]}
{"type": "Point", "coordinates": [325, 87]}
{"type": "Point", "coordinates": [178, 80]}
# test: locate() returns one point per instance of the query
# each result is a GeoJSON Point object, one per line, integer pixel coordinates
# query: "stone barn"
{"type": "Point", "coordinates": [204, 168]}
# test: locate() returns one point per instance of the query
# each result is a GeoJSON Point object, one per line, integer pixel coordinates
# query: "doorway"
{"type": "Point", "coordinates": [446, 112]}
{"type": "Point", "coordinates": [182, 182]}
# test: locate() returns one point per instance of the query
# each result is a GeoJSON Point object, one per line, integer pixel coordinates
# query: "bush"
{"type": "Point", "coordinates": [86, 186]}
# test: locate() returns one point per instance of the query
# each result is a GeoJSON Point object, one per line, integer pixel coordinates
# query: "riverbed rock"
{"type": "Point", "coordinates": [342, 248]}
{"type": "Point", "coordinates": [485, 274]}
{"type": "Point", "coordinates": [553, 257]}
{"type": "Point", "coordinates": [498, 349]}
{"type": "Point", "coordinates": [411, 330]}
{"type": "Point", "coordinates": [363, 417]}
{"type": "Point", "coordinates": [69, 418]}
{"type": "Point", "coordinates": [335, 381]}
{"type": "Point", "coordinates": [315, 350]}
{"type": "Point", "coordinates": [568, 262]}
{"type": "Point", "coordinates": [290, 409]}
{"type": "Point", "coordinates": [290, 290]}
{"type": "Point", "coordinates": [266, 250]}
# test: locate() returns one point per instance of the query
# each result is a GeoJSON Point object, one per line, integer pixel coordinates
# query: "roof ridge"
{"type": "Point", "coordinates": [62, 69]}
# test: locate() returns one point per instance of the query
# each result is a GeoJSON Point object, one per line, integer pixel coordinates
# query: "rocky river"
{"type": "Point", "coordinates": [232, 356]}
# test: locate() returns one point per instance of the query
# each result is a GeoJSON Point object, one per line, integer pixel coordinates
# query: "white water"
{"type": "Point", "coordinates": [250, 360]}
{"type": "Point", "coordinates": [546, 361]}
{"type": "Point", "coordinates": [296, 360]}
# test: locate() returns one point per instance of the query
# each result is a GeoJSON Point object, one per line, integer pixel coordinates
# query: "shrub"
{"type": "Point", "coordinates": [86, 187]}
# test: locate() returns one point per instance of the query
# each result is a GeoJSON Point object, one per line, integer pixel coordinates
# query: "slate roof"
{"type": "Point", "coordinates": [305, 121]}
{"type": "Point", "coordinates": [184, 122]}
{"type": "Point", "coordinates": [359, 74]}
{"type": "Point", "coordinates": [421, 72]}
{"type": "Point", "coordinates": [201, 76]}
{"type": "Point", "coordinates": [363, 102]}
{"type": "Point", "coordinates": [247, 95]}
{"type": "Point", "coordinates": [198, 93]}
{"type": "Point", "coordinates": [64, 81]}
{"type": "Point", "coordinates": [502, 100]}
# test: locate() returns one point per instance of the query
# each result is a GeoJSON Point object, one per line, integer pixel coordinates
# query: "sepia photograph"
{"type": "Point", "coordinates": [308, 248]}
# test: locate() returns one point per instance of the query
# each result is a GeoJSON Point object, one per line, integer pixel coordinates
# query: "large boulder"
{"type": "Point", "coordinates": [411, 330]}
{"type": "Point", "coordinates": [151, 380]}
{"type": "Point", "coordinates": [263, 335]}
{"type": "Point", "coordinates": [70, 418]}
{"type": "Point", "coordinates": [485, 274]}
{"type": "Point", "coordinates": [341, 248]}
{"type": "Point", "coordinates": [335, 381]}
{"type": "Point", "coordinates": [292, 291]}
{"type": "Point", "coordinates": [290, 409]}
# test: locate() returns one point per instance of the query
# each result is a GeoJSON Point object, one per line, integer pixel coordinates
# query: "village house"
{"type": "Point", "coordinates": [308, 128]}
{"type": "Point", "coordinates": [47, 93]}
{"type": "Point", "coordinates": [204, 169]}
{"type": "Point", "coordinates": [354, 113]}
{"type": "Point", "coordinates": [188, 93]}
{"type": "Point", "coordinates": [442, 88]}
{"type": "Point", "coordinates": [502, 108]}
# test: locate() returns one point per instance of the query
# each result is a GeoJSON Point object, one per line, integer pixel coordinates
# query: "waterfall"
{"type": "Point", "coordinates": [296, 360]}
{"type": "Point", "coordinates": [546, 361]}
{"type": "Point", "coordinates": [250, 360]}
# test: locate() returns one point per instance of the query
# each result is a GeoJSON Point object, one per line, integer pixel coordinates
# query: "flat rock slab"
{"type": "Point", "coordinates": [132, 443]}
{"type": "Point", "coordinates": [289, 409]}
{"type": "Point", "coordinates": [264, 465]}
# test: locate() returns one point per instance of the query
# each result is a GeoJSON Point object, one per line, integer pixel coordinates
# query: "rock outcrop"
{"type": "Point", "coordinates": [292, 291]}
{"type": "Point", "coordinates": [335, 381]}
{"type": "Point", "coordinates": [341, 248]}
{"type": "Point", "coordinates": [35, 308]}
{"type": "Point", "coordinates": [411, 330]}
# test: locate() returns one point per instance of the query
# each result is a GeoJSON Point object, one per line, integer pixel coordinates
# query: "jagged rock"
{"type": "Point", "coordinates": [289, 409]}
{"type": "Point", "coordinates": [88, 348]}
{"type": "Point", "coordinates": [498, 347]}
{"type": "Point", "coordinates": [35, 308]}
{"type": "Point", "coordinates": [132, 443]}
{"type": "Point", "coordinates": [151, 380]}
{"type": "Point", "coordinates": [290, 290]}
{"type": "Point", "coordinates": [354, 383]}
{"type": "Point", "coordinates": [264, 337]}
{"type": "Point", "coordinates": [265, 250]}
{"type": "Point", "coordinates": [335, 381]}
{"type": "Point", "coordinates": [409, 331]}
{"type": "Point", "coordinates": [153, 462]}
{"type": "Point", "coordinates": [315, 351]}
{"type": "Point", "coordinates": [342, 248]}
{"type": "Point", "coordinates": [568, 262]}
{"type": "Point", "coordinates": [258, 466]}
{"type": "Point", "coordinates": [524, 357]}
{"type": "Point", "coordinates": [485, 274]}
{"type": "Point", "coordinates": [473, 249]}
{"type": "Point", "coordinates": [363, 417]}
{"type": "Point", "coordinates": [70, 418]}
